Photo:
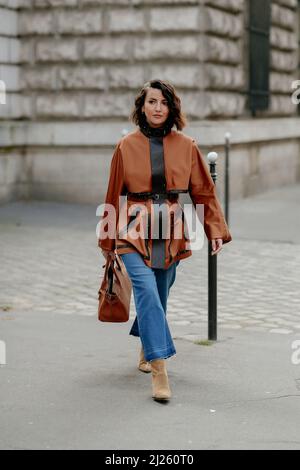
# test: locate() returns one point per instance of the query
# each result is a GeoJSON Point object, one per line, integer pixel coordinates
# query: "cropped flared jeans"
{"type": "Point", "coordinates": [151, 288]}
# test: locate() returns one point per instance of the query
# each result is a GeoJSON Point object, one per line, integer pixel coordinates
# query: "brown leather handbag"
{"type": "Point", "coordinates": [115, 291]}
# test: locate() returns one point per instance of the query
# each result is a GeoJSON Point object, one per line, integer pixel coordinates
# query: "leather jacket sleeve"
{"type": "Point", "coordinates": [116, 187]}
{"type": "Point", "coordinates": [202, 190]}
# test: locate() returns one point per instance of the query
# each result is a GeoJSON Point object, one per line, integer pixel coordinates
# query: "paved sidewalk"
{"type": "Point", "coordinates": [71, 381]}
{"type": "Point", "coordinates": [72, 384]}
{"type": "Point", "coordinates": [54, 264]}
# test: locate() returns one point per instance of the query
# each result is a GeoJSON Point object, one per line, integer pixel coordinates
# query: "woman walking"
{"type": "Point", "coordinates": [150, 167]}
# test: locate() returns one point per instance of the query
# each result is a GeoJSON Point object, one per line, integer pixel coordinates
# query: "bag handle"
{"type": "Point", "coordinates": [110, 278]}
{"type": "Point", "coordinates": [113, 262]}
{"type": "Point", "coordinates": [107, 265]}
{"type": "Point", "coordinates": [114, 256]}
{"type": "Point", "coordinates": [110, 270]}
{"type": "Point", "coordinates": [119, 262]}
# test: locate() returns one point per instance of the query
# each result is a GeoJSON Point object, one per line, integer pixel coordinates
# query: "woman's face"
{"type": "Point", "coordinates": [155, 107]}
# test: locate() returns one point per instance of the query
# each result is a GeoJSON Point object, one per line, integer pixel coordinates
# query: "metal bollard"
{"type": "Point", "coordinates": [212, 267]}
{"type": "Point", "coordinates": [226, 182]}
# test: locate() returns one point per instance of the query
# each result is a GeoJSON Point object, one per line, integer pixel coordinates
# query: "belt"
{"type": "Point", "coordinates": [154, 196]}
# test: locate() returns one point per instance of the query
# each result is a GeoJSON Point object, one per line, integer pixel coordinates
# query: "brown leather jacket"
{"type": "Point", "coordinates": [185, 171]}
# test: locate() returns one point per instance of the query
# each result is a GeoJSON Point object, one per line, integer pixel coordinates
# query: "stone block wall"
{"type": "Point", "coordinates": [73, 68]}
{"type": "Point", "coordinates": [13, 176]}
{"type": "Point", "coordinates": [285, 36]}
{"type": "Point", "coordinates": [86, 59]}
{"type": "Point", "coordinates": [10, 60]}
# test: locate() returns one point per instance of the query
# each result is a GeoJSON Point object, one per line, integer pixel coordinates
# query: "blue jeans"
{"type": "Point", "coordinates": [151, 288]}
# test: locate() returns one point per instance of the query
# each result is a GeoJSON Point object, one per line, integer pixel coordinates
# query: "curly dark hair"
{"type": "Point", "coordinates": [176, 116]}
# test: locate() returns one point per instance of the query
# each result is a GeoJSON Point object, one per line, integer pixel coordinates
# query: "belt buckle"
{"type": "Point", "coordinates": [155, 196]}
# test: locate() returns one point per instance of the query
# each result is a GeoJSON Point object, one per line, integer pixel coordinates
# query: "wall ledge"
{"type": "Point", "coordinates": [106, 134]}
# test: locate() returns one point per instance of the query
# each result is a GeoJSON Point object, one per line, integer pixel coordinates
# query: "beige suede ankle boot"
{"type": "Point", "coordinates": [160, 383]}
{"type": "Point", "coordinates": [144, 366]}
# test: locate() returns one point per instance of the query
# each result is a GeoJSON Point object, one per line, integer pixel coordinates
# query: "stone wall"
{"type": "Point", "coordinates": [73, 68]}
{"type": "Point", "coordinates": [13, 178]}
{"type": "Point", "coordinates": [284, 56]}
{"type": "Point", "coordinates": [10, 59]}
{"type": "Point", "coordinates": [86, 59]}
{"type": "Point", "coordinates": [298, 74]}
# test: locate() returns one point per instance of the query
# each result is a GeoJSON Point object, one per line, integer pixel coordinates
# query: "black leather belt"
{"type": "Point", "coordinates": [154, 196]}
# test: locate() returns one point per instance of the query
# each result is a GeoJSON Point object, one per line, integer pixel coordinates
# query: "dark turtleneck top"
{"type": "Point", "coordinates": [150, 131]}
{"type": "Point", "coordinates": [156, 135]}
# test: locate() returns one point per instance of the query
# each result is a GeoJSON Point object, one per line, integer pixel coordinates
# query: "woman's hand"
{"type": "Point", "coordinates": [216, 245]}
{"type": "Point", "coordinates": [105, 253]}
